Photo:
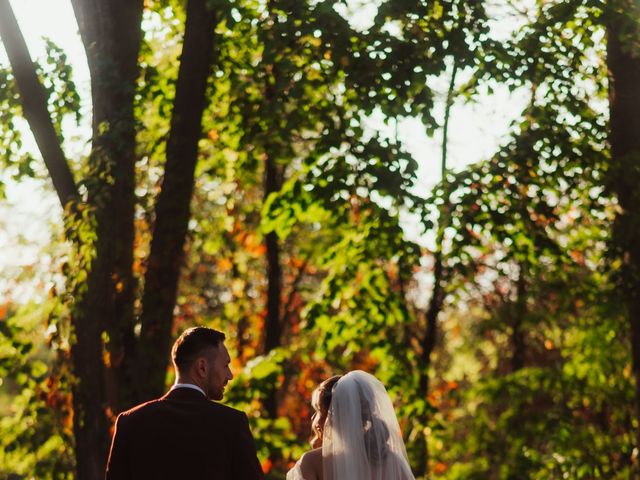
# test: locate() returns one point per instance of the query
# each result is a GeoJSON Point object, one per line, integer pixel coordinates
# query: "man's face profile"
{"type": "Point", "coordinates": [219, 372]}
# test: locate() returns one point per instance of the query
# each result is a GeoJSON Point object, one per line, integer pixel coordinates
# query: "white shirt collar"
{"type": "Point", "coordinates": [188, 385]}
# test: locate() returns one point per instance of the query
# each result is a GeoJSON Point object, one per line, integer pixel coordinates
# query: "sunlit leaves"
{"type": "Point", "coordinates": [57, 77]}
{"type": "Point", "coordinates": [35, 428]}
{"type": "Point", "coordinates": [294, 84]}
{"type": "Point", "coordinates": [63, 101]}
{"type": "Point", "coordinates": [13, 155]}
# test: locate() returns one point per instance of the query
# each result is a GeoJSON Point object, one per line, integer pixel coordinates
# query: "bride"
{"type": "Point", "coordinates": [356, 433]}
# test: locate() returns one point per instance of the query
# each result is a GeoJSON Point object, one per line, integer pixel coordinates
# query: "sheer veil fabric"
{"type": "Point", "coordinates": [361, 438]}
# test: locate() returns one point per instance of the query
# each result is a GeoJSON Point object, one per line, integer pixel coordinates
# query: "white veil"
{"type": "Point", "coordinates": [361, 437]}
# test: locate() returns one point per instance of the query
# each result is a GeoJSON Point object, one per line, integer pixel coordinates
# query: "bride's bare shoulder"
{"type": "Point", "coordinates": [311, 464]}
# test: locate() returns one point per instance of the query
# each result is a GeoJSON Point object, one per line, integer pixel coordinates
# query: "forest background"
{"type": "Point", "coordinates": [240, 164]}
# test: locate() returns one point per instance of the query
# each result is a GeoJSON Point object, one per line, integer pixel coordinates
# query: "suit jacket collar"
{"type": "Point", "coordinates": [185, 394]}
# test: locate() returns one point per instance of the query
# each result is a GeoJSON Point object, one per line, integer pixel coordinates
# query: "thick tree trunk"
{"type": "Point", "coordinates": [624, 96]}
{"type": "Point", "coordinates": [34, 105]}
{"type": "Point", "coordinates": [173, 208]}
{"type": "Point", "coordinates": [111, 34]}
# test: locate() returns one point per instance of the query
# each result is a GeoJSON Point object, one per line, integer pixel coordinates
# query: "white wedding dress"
{"type": "Point", "coordinates": [361, 436]}
{"type": "Point", "coordinates": [295, 473]}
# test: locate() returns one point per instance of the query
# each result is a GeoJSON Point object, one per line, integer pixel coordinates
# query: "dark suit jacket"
{"type": "Point", "coordinates": [182, 436]}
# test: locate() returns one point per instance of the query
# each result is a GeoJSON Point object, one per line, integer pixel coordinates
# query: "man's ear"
{"type": "Point", "coordinates": [202, 366]}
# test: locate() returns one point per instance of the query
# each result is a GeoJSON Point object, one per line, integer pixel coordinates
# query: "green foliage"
{"type": "Point", "coordinates": [525, 237]}
{"type": "Point", "coordinates": [56, 74]}
{"type": "Point", "coordinates": [11, 143]}
{"type": "Point", "coordinates": [35, 428]}
{"type": "Point", "coordinates": [522, 235]}
{"type": "Point", "coordinates": [248, 392]}
{"type": "Point", "coordinates": [63, 100]}
{"type": "Point", "coordinates": [567, 417]}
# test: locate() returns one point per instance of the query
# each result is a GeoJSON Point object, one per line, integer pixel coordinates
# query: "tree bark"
{"type": "Point", "coordinates": [173, 208]}
{"type": "Point", "coordinates": [111, 34]}
{"type": "Point", "coordinates": [104, 370]}
{"type": "Point", "coordinates": [517, 333]}
{"type": "Point", "coordinates": [431, 329]}
{"type": "Point", "coordinates": [273, 326]}
{"type": "Point", "coordinates": [272, 183]}
{"type": "Point", "coordinates": [34, 105]}
{"type": "Point", "coordinates": [623, 61]}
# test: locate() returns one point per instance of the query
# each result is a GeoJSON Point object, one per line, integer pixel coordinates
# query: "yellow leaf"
{"type": "Point", "coordinates": [237, 287]}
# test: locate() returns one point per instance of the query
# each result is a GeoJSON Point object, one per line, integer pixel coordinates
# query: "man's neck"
{"type": "Point", "coordinates": [187, 383]}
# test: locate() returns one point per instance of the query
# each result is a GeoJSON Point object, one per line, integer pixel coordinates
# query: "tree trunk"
{"type": "Point", "coordinates": [273, 326]}
{"type": "Point", "coordinates": [517, 333]}
{"type": "Point", "coordinates": [173, 208]}
{"type": "Point", "coordinates": [623, 61]}
{"type": "Point", "coordinates": [111, 34]}
{"type": "Point", "coordinates": [437, 296]}
{"type": "Point", "coordinates": [428, 345]}
{"type": "Point", "coordinates": [431, 330]}
{"type": "Point", "coordinates": [34, 105]}
{"type": "Point", "coordinates": [272, 184]}
{"type": "Point", "coordinates": [104, 369]}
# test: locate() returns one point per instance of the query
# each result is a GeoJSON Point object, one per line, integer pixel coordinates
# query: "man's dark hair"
{"type": "Point", "coordinates": [192, 343]}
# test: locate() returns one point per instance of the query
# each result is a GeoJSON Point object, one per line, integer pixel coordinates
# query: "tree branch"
{"type": "Point", "coordinates": [34, 105]}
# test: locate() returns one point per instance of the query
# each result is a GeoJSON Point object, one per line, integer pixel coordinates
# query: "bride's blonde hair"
{"type": "Point", "coordinates": [321, 401]}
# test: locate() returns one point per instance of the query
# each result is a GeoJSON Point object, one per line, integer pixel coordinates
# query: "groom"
{"type": "Point", "coordinates": [183, 434]}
